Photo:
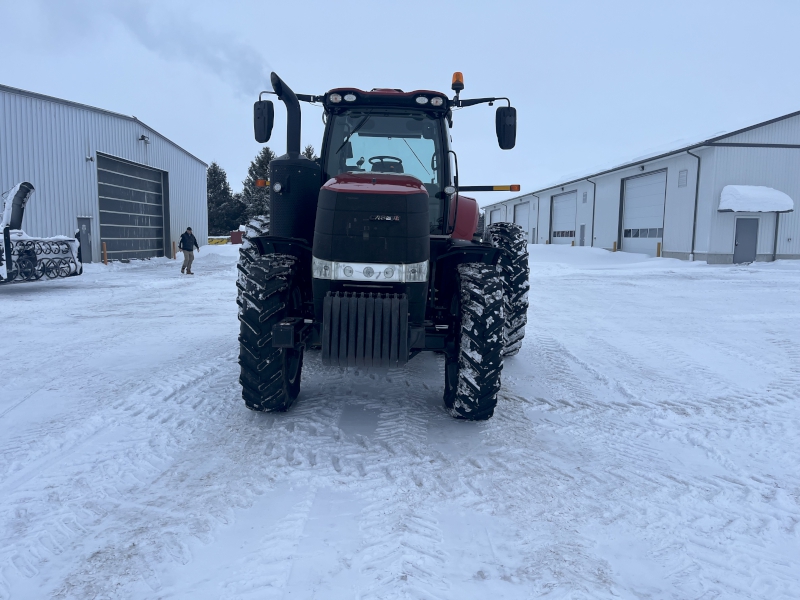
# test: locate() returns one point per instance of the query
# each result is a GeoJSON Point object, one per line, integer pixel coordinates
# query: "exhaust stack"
{"type": "Point", "coordinates": [287, 96]}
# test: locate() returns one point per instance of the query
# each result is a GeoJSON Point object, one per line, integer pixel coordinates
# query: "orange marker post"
{"type": "Point", "coordinates": [105, 254]}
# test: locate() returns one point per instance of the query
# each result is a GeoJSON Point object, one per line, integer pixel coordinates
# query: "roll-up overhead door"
{"type": "Point", "coordinates": [494, 216]}
{"type": "Point", "coordinates": [643, 212]}
{"type": "Point", "coordinates": [522, 214]}
{"type": "Point", "coordinates": [565, 206]}
{"type": "Point", "coordinates": [131, 209]}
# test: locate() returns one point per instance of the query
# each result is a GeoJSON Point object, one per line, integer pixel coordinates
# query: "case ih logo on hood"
{"type": "Point", "coordinates": [384, 218]}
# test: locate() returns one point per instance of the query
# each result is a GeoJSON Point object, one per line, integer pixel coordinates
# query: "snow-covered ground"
{"type": "Point", "coordinates": [646, 445]}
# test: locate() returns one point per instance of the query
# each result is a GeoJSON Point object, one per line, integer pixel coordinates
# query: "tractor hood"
{"type": "Point", "coordinates": [372, 217]}
{"type": "Point", "coordinates": [375, 183]}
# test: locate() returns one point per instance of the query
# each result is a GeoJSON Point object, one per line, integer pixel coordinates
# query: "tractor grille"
{"type": "Point", "coordinates": [364, 330]}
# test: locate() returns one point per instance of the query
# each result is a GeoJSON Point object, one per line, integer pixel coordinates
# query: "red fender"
{"type": "Point", "coordinates": [466, 217]}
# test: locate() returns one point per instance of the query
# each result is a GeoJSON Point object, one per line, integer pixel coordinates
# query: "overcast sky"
{"type": "Point", "coordinates": [594, 83]}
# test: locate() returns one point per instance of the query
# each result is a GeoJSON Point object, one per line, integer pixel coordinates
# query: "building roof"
{"type": "Point", "coordinates": [12, 90]}
{"type": "Point", "coordinates": [713, 141]}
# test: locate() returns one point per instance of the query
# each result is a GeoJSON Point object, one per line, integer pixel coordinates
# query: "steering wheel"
{"type": "Point", "coordinates": [380, 159]}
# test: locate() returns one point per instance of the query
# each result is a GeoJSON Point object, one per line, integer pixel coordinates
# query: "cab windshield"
{"type": "Point", "coordinates": [387, 142]}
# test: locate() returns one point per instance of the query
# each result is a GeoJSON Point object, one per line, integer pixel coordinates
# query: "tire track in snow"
{"type": "Point", "coordinates": [647, 472]}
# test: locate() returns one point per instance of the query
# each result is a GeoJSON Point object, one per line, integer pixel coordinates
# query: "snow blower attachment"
{"type": "Point", "coordinates": [372, 255]}
{"type": "Point", "coordinates": [25, 258]}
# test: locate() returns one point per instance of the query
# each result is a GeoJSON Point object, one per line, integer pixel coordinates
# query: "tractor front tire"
{"type": "Point", "coordinates": [270, 377]}
{"type": "Point", "coordinates": [510, 238]}
{"type": "Point", "coordinates": [248, 253]}
{"type": "Point", "coordinates": [474, 364]}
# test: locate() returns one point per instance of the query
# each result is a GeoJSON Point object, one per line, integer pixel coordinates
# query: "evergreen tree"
{"type": "Point", "coordinates": [310, 153]}
{"type": "Point", "coordinates": [225, 209]}
{"type": "Point", "coordinates": [255, 198]}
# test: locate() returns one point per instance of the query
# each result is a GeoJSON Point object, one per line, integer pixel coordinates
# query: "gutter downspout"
{"type": "Point", "coordinates": [696, 196]}
{"type": "Point", "coordinates": [594, 205]}
{"type": "Point", "coordinates": [538, 206]}
{"type": "Point", "coordinates": [775, 245]}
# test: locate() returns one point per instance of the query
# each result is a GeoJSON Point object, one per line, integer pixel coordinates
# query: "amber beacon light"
{"type": "Point", "coordinates": [458, 81]}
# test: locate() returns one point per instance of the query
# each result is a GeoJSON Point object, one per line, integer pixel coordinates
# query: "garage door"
{"type": "Point", "coordinates": [522, 214]}
{"type": "Point", "coordinates": [643, 212]}
{"type": "Point", "coordinates": [565, 207]}
{"type": "Point", "coordinates": [494, 216]}
{"type": "Point", "coordinates": [131, 209]}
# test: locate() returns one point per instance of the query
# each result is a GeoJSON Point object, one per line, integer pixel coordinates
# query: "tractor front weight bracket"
{"type": "Point", "coordinates": [291, 332]}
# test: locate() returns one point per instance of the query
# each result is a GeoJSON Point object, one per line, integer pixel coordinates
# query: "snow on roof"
{"type": "Point", "coordinates": [754, 198]}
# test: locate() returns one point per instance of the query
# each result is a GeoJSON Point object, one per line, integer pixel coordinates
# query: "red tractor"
{"type": "Point", "coordinates": [373, 254]}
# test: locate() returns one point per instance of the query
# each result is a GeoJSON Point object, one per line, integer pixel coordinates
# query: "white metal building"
{"type": "Point", "coordinates": [671, 201]}
{"type": "Point", "coordinates": [108, 175]}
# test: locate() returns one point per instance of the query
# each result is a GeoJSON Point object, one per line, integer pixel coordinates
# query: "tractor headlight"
{"type": "Point", "coordinates": [335, 98]}
{"type": "Point", "coordinates": [349, 97]}
{"type": "Point", "coordinates": [350, 271]}
{"type": "Point", "coordinates": [415, 272]}
{"type": "Point", "coordinates": [436, 101]}
{"type": "Point", "coordinates": [422, 100]}
{"type": "Point", "coordinates": [321, 269]}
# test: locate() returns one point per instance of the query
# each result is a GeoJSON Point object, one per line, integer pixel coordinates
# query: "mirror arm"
{"type": "Point", "coordinates": [265, 92]}
{"type": "Point", "coordinates": [474, 101]}
{"type": "Point", "coordinates": [309, 98]}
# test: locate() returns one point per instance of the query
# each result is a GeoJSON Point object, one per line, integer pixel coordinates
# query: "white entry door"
{"type": "Point", "coordinates": [565, 207]}
{"type": "Point", "coordinates": [643, 212]}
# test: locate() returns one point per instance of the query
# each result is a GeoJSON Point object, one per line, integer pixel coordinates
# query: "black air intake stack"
{"type": "Point", "coordinates": [294, 180]}
{"type": "Point", "coordinates": [18, 203]}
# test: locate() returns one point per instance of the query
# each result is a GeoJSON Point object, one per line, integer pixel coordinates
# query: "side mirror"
{"type": "Point", "coordinates": [506, 122]}
{"type": "Point", "coordinates": [263, 119]}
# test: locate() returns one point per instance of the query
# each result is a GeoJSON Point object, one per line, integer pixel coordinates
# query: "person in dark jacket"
{"type": "Point", "coordinates": [187, 244]}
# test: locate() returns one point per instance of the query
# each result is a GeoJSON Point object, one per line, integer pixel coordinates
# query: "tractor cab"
{"type": "Point", "coordinates": [388, 131]}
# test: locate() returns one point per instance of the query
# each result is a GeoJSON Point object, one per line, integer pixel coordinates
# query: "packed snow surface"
{"type": "Point", "coordinates": [646, 445]}
{"type": "Point", "coordinates": [754, 198]}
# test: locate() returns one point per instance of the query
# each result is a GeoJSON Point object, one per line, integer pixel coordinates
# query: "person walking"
{"type": "Point", "coordinates": [187, 244]}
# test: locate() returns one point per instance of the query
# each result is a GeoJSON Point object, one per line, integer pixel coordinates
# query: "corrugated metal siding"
{"type": "Point", "coordinates": [786, 131]}
{"type": "Point", "coordinates": [771, 167]}
{"type": "Point", "coordinates": [679, 203]}
{"type": "Point", "coordinates": [506, 208]}
{"type": "Point", "coordinates": [46, 142]}
{"type": "Point", "coordinates": [705, 205]}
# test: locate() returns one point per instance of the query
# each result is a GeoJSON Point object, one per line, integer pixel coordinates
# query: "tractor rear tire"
{"type": "Point", "coordinates": [514, 263]}
{"type": "Point", "coordinates": [270, 377]}
{"type": "Point", "coordinates": [473, 367]}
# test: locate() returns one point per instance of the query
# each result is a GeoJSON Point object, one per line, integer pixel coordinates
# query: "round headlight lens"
{"type": "Point", "coordinates": [437, 101]}
{"type": "Point", "coordinates": [388, 272]}
{"type": "Point", "coordinates": [422, 100]}
{"type": "Point", "coordinates": [277, 187]}
{"type": "Point", "coordinates": [368, 271]}
{"type": "Point", "coordinates": [349, 97]}
{"type": "Point", "coordinates": [348, 271]}
{"type": "Point", "coordinates": [449, 189]}
{"type": "Point", "coordinates": [335, 98]}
